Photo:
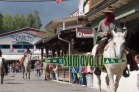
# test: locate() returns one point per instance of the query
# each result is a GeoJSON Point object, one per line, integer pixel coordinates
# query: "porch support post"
{"type": "Point", "coordinates": [94, 37]}
{"type": "Point", "coordinates": [63, 25]}
{"type": "Point", "coordinates": [41, 52]}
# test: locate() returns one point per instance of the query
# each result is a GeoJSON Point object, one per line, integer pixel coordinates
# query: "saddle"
{"type": "Point", "coordinates": [22, 60]}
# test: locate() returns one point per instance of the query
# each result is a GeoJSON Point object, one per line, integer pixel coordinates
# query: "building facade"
{"type": "Point", "coordinates": [14, 43]}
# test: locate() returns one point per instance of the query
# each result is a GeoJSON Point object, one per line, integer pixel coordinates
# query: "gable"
{"type": "Point", "coordinates": [29, 30]}
{"type": "Point", "coordinates": [20, 37]}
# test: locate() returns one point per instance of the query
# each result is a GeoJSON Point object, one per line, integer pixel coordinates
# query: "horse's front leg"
{"type": "Point", "coordinates": [107, 82]}
{"type": "Point", "coordinates": [111, 81]}
{"type": "Point", "coordinates": [2, 77]}
{"type": "Point", "coordinates": [23, 70]}
{"type": "Point", "coordinates": [118, 76]}
{"type": "Point", "coordinates": [99, 82]}
{"type": "Point", "coordinates": [26, 72]}
{"type": "Point", "coordinates": [29, 75]}
{"type": "Point", "coordinates": [29, 72]}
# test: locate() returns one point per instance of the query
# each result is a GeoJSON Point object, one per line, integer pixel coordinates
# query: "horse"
{"type": "Point", "coordinates": [114, 50]}
{"type": "Point", "coordinates": [3, 68]}
{"type": "Point", "coordinates": [46, 70]}
{"type": "Point", "coordinates": [27, 66]}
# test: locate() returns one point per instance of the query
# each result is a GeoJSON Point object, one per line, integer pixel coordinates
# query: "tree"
{"type": "Point", "coordinates": [29, 20]}
{"type": "Point", "coordinates": [37, 21]}
{"type": "Point", "coordinates": [16, 21]}
{"type": "Point", "coordinates": [1, 23]}
{"type": "Point", "coordinates": [22, 21]}
{"type": "Point", "coordinates": [8, 23]}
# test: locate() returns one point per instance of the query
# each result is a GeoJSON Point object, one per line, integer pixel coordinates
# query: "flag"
{"type": "Point", "coordinates": [34, 48]}
{"type": "Point", "coordinates": [25, 52]}
{"type": "Point", "coordinates": [11, 48]}
{"type": "Point", "coordinates": [58, 1]}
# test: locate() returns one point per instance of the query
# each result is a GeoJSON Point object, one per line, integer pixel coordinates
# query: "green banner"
{"type": "Point", "coordinates": [53, 60]}
{"type": "Point", "coordinates": [113, 60]}
{"type": "Point", "coordinates": [83, 60]}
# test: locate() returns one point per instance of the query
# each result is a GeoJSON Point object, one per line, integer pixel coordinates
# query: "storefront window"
{"type": "Point", "coordinates": [5, 46]}
{"type": "Point", "coordinates": [17, 46]}
{"type": "Point", "coordinates": [29, 46]}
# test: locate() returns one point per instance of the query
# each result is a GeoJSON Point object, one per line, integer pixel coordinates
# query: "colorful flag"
{"type": "Point", "coordinates": [25, 52]}
{"type": "Point", "coordinates": [11, 48]}
{"type": "Point", "coordinates": [58, 1]}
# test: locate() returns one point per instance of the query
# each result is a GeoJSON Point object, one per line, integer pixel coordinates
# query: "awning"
{"type": "Point", "coordinates": [96, 11]}
{"type": "Point", "coordinates": [12, 57]}
{"type": "Point", "coordinates": [68, 21]}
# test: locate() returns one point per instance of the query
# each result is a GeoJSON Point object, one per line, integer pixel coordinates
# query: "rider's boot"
{"type": "Point", "coordinates": [97, 71]}
{"type": "Point", "coordinates": [126, 72]}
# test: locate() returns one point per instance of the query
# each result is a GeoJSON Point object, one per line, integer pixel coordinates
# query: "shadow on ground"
{"type": "Point", "coordinates": [13, 83]}
{"type": "Point", "coordinates": [9, 79]}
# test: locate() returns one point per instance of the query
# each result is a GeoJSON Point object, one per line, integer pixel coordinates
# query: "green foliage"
{"type": "Point", "coordinates": [37, 22]}
{"type": "Point", "coordinates": [8, 22]}
{"type": "Point", "coordinates": [18, 21]}
{"type": "Point", "coordinates": [48, 32]}
{"type": "Point", "coordinates": [1, 23]}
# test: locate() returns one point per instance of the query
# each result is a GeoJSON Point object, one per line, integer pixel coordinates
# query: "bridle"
{"type": "Point", "coordinates": [121, 54]}
{"type": "Point", "coordinates": [115, 51]}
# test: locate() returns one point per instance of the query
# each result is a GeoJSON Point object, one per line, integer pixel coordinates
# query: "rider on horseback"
{"type": "Point", "coordinates": [104, 34]}
{"type": "Point", "coordinates": [23, 58]}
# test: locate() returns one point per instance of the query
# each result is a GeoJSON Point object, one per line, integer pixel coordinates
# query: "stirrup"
{"type": "Point", "coordinates": [125, 74]}
{"type": "Point", "coordinates": [126, 52]}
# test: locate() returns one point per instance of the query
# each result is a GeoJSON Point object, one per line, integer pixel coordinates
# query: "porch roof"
{"type": "Point", "coordinates": [57, 22]}
{"type": "Point", "coordinates": [97, 10]}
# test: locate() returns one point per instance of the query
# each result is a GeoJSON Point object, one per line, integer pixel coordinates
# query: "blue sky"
{"type": "Point", "coordinates": [47, 10]}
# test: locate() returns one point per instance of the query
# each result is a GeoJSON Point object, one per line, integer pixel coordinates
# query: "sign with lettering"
{"type": "Point", "coordinates": [53, 60]}
{"type": "Point", "coordinates": [22, 37]}
{"type": "Point", "coordinates": [20, 51]}
{"type": "Point", "coordinates": [83, 60]}
{"type": "Point", "coordinates": [84, 32]}
{"type": "Point", "coordinates": [35, 58]}
{"type": "Point", "coordinates": [113, 60]}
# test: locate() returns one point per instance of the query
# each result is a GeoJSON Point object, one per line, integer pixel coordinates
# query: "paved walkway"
{"type": "Point", "coordinates": [17, 84]}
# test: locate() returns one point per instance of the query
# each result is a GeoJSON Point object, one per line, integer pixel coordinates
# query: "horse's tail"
{"type": "Point", "coordinates": [5, 65]}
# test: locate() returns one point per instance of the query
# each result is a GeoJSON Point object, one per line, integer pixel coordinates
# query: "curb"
{"type": "Point", "coordinates": [62, 82]}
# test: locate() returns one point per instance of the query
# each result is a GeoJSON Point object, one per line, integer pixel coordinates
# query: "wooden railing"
{"type": "Point", "coordinates": [63, 74]}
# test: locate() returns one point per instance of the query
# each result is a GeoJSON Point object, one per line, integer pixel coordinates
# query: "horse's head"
{"type": "Point", "coordinates": [119, 43]}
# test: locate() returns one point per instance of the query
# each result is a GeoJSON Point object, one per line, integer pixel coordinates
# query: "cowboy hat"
{"type": "Point", "coordinates": [108, 9]}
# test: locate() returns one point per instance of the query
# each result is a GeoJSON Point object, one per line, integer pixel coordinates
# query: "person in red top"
{"type": "Point", "coordinates": [84, 72]}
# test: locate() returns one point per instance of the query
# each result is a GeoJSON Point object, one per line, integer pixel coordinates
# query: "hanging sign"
{"type": "Point", "coordinates": [84, 32]}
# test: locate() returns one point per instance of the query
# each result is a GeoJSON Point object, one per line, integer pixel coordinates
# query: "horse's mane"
{"type": "Point", "coordinates": [111, 49]}
{"type": "Point", "coordinates": [111, 44]}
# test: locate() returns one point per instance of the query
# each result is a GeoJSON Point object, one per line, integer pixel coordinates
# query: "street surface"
{"type": "Point", "coordinates": [17, 84]}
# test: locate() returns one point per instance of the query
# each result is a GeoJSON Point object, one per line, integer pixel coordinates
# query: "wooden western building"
{"type": "Point", "coordinates": [74, 31]}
